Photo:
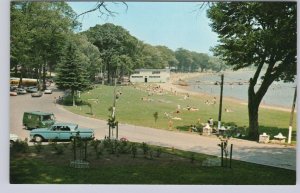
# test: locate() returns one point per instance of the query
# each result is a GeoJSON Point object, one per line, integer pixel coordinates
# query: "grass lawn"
{"type": "Point", "coordinates": [50, 166]}
{"type": "Point", "coordinates": [132, 110]}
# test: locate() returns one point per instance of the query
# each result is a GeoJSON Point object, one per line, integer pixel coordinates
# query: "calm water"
{"type": "Point", "coordinates": [236, 86]}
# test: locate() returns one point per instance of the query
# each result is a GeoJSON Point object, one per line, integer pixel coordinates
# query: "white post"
{"type": "Point", "coordinates": [219, 124]}
{"type": "Point", "coordinates": [292, 116]}
{"type": "Point", "coordinates": [290, 135]}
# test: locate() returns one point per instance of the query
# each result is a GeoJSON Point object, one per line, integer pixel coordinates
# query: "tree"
{"type": "Point", "coordinates": [89, 54]}
{"type": "Point", "coordinates": [71, 74]}
{"type": "Point", "coordinates": [262, 34]}
{"type": "Point", "coordinates": [113, 42]}
{"type": "Point", "coordinates": [39, 32]}
{"type": "Point", "coordinates": [185, 59]}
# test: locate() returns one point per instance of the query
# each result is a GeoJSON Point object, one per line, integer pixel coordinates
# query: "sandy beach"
{"type": "Point", "coordinates": [173, 85]}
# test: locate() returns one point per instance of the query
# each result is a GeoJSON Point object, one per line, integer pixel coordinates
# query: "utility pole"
{"type": "Point", "coordinates": [292, 116]}
{"type": "Point", "coordinates": [221, 99]}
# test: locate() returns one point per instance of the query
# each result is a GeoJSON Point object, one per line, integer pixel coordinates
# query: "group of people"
{"type": "Point", "coordinates": [213, 102]}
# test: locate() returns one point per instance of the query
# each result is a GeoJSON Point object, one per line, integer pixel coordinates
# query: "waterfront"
{"type": "Point", "coordinates": [236, 84]}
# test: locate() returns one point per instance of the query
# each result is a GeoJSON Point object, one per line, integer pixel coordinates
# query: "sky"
{"type": "Point", "coordinates": [173, 24]}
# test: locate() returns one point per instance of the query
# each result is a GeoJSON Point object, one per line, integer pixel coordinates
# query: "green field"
{"type": "Point", "coordinates": [50, 165]}
{"type": "Point", "coordinates": [131, 109]}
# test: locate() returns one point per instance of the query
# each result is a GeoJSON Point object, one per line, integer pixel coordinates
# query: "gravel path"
{"type": "Point", "coordinates": [267, 154]}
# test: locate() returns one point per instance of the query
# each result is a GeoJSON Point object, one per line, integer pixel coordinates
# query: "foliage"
{"type": "Point", "coordinates": [71, 75]}
{"type": "Point", "coordinates": [133, 149]}
{"type": "Point", "coordinates": [145, 149]}
{"type": "Point", "coordinates": [192, 157]}
{"type": "Point", "coordinates": [39, 32]}
{"type": "Point", "coordinates": [48, 169]}
{"type": "Point", "coordinates": [19, 146]}
{"type": "Point", "coordinates": [264, 36]}
{"type": "Point", "coordinates": [117, 47]}
{"type": "Point", "coordinates": [38, 146]}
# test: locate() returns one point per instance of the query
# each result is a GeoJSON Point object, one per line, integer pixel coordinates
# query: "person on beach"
{"type": "Point", "coordinates": [215, 100]}
{"type": "Point", "coordinates": [210, 122]}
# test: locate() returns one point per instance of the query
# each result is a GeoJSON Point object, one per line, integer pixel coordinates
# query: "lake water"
{"type": "Point", "coordinates": [236, 84]}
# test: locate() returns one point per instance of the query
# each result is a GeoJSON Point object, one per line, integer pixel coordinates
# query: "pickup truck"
{"type": "Point", "coordinates": [61, 132]}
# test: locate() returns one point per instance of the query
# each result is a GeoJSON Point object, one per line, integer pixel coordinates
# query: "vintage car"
{"type": "Point", "coordinates": [11, 93]}
{"type": "Point", "coordinates": [48, 91]}
{"type": "Point", "coordinates": [32, 89]}
{"type": "Point", "coordinates": [37, 119]}
{"type": "Point", "coordinates": [37, 94]}
{"type": "Point", "coordinates": [61, 132]}
{"type": "Point", "coordinates": [21, 91]}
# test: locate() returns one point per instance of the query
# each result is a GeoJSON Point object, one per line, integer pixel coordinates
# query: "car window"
{"type": "Point", "coordinates": [65, 128]}
{"type": "Point", "coordinates": [47, 117]}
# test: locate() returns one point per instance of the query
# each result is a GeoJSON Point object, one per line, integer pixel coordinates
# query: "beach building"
{"type": "Point", "coordinates": [150, 75]}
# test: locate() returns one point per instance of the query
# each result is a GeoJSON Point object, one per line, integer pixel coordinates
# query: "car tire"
{"type": "Point", "coordinates": [38, 138]}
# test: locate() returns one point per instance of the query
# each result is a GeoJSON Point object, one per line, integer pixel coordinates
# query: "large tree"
{"type": "Point", "coordinates": [263, 34]}
{"type": "Point", "coordinates": [71, 73]}
{"type": "Point", "coordinates": [114, 43]}
{"type": "Point", "coordinates": [38, 32]}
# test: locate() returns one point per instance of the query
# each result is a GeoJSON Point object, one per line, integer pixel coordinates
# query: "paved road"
{"type": "Point", "coordinates": [267, 154]}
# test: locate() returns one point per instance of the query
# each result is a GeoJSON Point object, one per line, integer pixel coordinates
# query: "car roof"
{"type": "Point", "coordinates": [65, 124]}
{"type": "Point", "coordinates": [38, 113]}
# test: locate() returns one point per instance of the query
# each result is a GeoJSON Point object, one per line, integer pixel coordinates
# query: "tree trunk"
{"type": "Point", "coordinates": [44, 75]}
{"type": "Point", "coordinates": [73, 96]}
{"type": "Point", "coordinates": [253, 118]}
{"type": "Point", "coordinates": [21, 78]}
{"type": "Point", "coordinates": [254, 99]}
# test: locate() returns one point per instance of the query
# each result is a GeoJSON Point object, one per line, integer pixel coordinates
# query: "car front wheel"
{"type": "Point", "coordinates": [38, 138]}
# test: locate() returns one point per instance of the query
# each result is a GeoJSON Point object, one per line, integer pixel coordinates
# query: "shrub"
{"type": "Point", "coordinates": [133, 150]}
{"type": "Point", "coordinates": [38, 147]}
{"type": "Point", "coordinates": [59, 149]}
{"type": "Point", "coordinates": [192, 157]}
{"type": "Point", "coordinates": [95, 144]}
{"type": "Point", "coordinates": [20, 146]}
{"type": "Point", "coordinates": [158, 152]}
{"type": "Point", "coordinates": [145, 148]}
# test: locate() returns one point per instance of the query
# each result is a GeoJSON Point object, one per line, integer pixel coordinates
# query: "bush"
{"type": "Point", "coordinates": [158, 152]}
{"type": "Point", "coordinates": [38, 147]}
{"type": "Point", "coordinates": [20, 146]}
{"type": "Point", "coordinates": [192, 157]}
{"type": "Point", "coordinates": [145, 148]}
{"type": "Point", "coordinates": [133, 150]}
{"type": "Point", "coordinates": [68, 101]}
{"type": "Point", "coordinates": [59, 149]}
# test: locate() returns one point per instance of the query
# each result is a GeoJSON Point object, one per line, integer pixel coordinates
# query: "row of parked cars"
{"type": "Point", "coordinates": [14, 91]}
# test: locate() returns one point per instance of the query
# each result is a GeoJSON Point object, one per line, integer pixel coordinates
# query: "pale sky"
{"type": "Point", "coordinates": [173, 24]}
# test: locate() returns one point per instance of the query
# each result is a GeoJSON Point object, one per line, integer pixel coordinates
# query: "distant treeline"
{"type": "Point", "coordinates": [42, 31]}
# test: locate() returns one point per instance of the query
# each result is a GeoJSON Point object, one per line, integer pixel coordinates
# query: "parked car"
{"type": "Point", "coordinates": [32, 89]}
{"type": "Point", "coordinates": [48, 91]}
{"type": "Point", "coordinates": [12, 93]}
{"type": "Point", "coordinates": [21, 91]}
{"type": "Point", "coordinates": [37, 94]}
{"type": "Point", "coordinates": [37, 119]}
{"type": "Point", "coordinates": [13, 88]}
{"type": "Point", "coordinates": [61, 132]}
{"type": "Point", "coordinates": [13, 138]}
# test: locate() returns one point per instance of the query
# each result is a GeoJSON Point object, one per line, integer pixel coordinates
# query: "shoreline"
{"type": "Point", "coordinates": [174, 77]}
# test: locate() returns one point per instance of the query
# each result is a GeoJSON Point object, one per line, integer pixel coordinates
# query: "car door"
{"type": "Point", "coordinates": [53, 132]}
{"type": "Point", "coordinates": [64, 133]}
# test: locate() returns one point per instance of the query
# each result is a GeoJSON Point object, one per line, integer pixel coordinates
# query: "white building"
{"type": "Point", "coordinates": [150, 75]}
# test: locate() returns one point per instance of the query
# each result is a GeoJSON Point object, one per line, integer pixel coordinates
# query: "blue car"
{"type": "Point", "coordinates": [61, 132]}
